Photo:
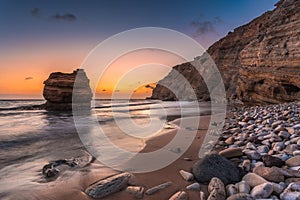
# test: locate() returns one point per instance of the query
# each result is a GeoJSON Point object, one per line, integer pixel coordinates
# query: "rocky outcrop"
{"type": "Point", "coordinates": [259, 62]}
{"type": "Point", "coordinates": [61, 90]}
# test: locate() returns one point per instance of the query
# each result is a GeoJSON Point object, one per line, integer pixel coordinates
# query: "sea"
{"type": "Point", "coordinates": [31, 138]}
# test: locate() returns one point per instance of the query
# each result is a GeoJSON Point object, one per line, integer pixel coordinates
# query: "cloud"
{"type": "Point", "coordinates": [204, 27]}
{"type": "Point", "coordinates": [65, 17]}
{"type": "Point", "coordinates": [35, 12]}
{"type": "Point", "coordinates": [28, 78]}
{"type": "Point", "coordinates": [104, 90]}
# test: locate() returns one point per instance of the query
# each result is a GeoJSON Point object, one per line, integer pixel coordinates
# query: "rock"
{"type": "Point", "coordinates": [297, 126]}
{"type": "Point", "coordinates": [284, 134]}
{"type": "Point", "coordinates": [231, 190]}
{"type": "Point", "coordinates": [137, 191]}
{"type": "Point", "coordinates": [270, 161]}
{"type": "Point", "coordinates": [258, 63]}
{"type": "Point", "coordinates": [231, 152]}
{"type": "Point", "coordinates": [271, 174]}
{"type": "Point", "coordinates": [253, 154]}
{"type": "Point", "coordinates": [108, 185]}
{"type": "Point", "coordinates": [186, 175]}
{"type": "Point", "coordinates": [293, 162]}
{"type": "Point", "coordinates": [244, 187]}
{"type": "Point", "coordinates": [253, 179]}
{"type": "Point", "coordinates": [193, 186]}
{"type": "Point", "coordinates": [240, 196]}
{"type": "Point", "coordinates": [262, 191]}
{"type": "Point", "coordinates": [263, 149]}
{"type": "Point", "coordinates": [158, 188]}
{"type": "Point", "coordinates": [246, 165]}
{"type": "Point", "coordinates": [216, 189]}
{"type": "Point", "coordinates": [291, 192]}
{"type": "Point", "coordinates": [202, 195]}
{"type": "Point", "coordinates": [291, 180]}
{"type": "Point", "coordinates": [230, 140]}
{"type": "Point", "coordinates": [215, 166]}
{"type": "Point", "coordinates": [181, 195]}
{"type": "Point", "coordinates": [296, 153]}
{"type": "Point", "coordinates": [277, 188]}
{"type": "Point", "coordinates": [60, 93]}
{"type": "Point", "coordinates": [278, 146]}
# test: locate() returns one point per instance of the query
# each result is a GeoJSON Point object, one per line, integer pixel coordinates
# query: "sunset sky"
{"type": "Point", "coordinates": [39, 37]}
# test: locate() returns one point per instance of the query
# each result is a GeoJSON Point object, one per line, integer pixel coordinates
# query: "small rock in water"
{"type": "Point", "coordinates": [181, 195]}
{"type": "Point", "coordinates": [158, 187]}
{"type": "Point", "coordinates": [137, 191]}
{"type": "Point", "coordinates": [186, 175]}
{"type": "Point", "coordinates": [262, 191]}
{"type": "Point", "coordinates": [193, 186]}
{"type": "Point", "coordinates": [108, 185]}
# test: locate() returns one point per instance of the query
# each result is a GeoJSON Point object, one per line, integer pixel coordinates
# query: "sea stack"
{"type": "Point", "coordinates": [61, 90]}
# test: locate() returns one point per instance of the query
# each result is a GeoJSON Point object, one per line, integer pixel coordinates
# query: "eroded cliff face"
{"type": "Point", "coordinates": [59, 88]}
{"type": "Point", "coordinates": [259, 62]}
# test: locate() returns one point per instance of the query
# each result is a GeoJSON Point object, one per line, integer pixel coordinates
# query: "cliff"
{"type": "Point", "coordinates": [259, 62]}
{"type": "Point", "coordinates": [59, 89]}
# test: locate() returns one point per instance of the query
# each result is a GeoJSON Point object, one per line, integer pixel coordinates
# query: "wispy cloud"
{"type": "Point", "coordinates": [28, 78]}
{"type": "Point", "coordinates": [65, 17]}
{"type": "Point", "coordinates": [203, 27]}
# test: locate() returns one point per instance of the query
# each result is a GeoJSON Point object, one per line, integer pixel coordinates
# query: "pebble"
{"type": "Point", "coordinates": [137, 191]}
{"type": "Point", "coordinates": [270, 161]}
{"type": "Point", "coordinates": [231, 152]}
{"type": "Point", "coordinates": [216, 189]}
{"type": "Point", "coordinates": [181, 195]}
{"type": "Point", "coordinates": [253, 179]}
{"type": "Point", "coordinates": [253, 154]}
{"type": "Point", "coordinates": [244, 187]}
{"type": "Point", "coordinates": [262, 191]}
{"type": "Point", "coordinates": [240, 196]}
{"type": "Point", "coordinates": [269, 173]}
{"type": "Point", "coordinates": [158, 188]}
{"type": "Point", "coordinates": [293, 162]}
{"type": "Point", "coordinates": [231, 190]}
{"type": "Point", "coordinates": [193, 186]}
{"type": "Point", "coordinates": [291, 192]}
{"type": "Point", "coordinates": [187, 176]}
{"type": "Point", "coordinates": [202, 195]}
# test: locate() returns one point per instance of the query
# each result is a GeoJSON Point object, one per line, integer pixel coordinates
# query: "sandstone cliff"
{"type": "Point", "coordinates": [59, 88]}
{"type": "Point", "coordinates": [259, 62]}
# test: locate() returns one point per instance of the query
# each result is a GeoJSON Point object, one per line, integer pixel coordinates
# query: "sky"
{"type": "Point", "coordinates": [38, 37]}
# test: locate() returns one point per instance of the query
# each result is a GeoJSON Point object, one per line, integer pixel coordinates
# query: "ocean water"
{"type": "Point", "coordinates": [29, 139]}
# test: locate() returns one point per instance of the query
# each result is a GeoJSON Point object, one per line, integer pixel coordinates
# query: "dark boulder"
{"type": "Point", "coordinates": [216, 166]}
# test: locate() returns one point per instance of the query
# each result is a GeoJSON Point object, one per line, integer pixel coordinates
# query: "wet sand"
{"type": "Point", "coordinates": [71, 183]}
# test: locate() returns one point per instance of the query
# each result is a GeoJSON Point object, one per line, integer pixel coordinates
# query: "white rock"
{"type": "Point", "coordinates": [231, 190]}
{"type": "Point", "coordinates": [186, 175]}
{"type": "Point", "coordinates": [244, 187]}
{"type": "Point", "coordinates": [297, 126]}
{"type": "Point", "coordinates": [262, 191]}
{"type": "Point", "coordinates": [137, 191]}
{"type": "Point", "coordinates": [181, 195]}
{"type": "Point", "coordinates": [202, 195]}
